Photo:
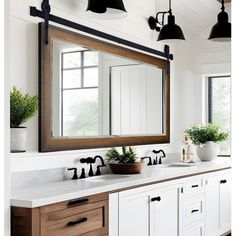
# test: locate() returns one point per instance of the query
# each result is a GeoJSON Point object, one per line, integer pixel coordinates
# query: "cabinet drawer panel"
{"type": "Point", "coordinates": [82, 204]}
{"type": "Point", "coordinates": [195, 230]}
{"type": "Point", "coordinates": [194, 209]}
{"type": "Point", "coordinates": [194, 187]}
{"type": "Point", "coordinates": [92, 222]}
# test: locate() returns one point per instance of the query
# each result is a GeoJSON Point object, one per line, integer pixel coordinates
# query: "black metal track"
{"type": "Point", "coordinates": [37, 13]}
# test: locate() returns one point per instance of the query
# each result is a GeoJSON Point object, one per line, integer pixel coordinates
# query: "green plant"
{"type": "Point", "coordinates": [128, 155]}
{"type": "Point", "coordinates": [206, 132]}
{"type": "Point", "coordinates": [22, 107]}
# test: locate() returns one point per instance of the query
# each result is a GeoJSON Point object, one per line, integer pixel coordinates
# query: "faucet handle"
{"type": "Point", "coordinates": [98, 172]}
{"type": "Point", "coordinates": [90, 171]}
{"type": "Point", "coordinates": [82, 176]}
{"type": "Point", "coordinates": [75, 175]}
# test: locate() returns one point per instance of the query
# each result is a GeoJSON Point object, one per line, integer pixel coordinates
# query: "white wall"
{"type": "Point", "coordinates": [191, 59]}
{"type": "Point", "coordinates": [24, 65]}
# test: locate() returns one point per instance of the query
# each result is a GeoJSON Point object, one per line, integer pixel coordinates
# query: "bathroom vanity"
{"type": "Point", "coordinates": [162, 201]}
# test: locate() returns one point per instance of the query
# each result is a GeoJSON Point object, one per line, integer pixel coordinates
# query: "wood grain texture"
{"type": "Point", "coordinates": [54, 219]}
{"type": "Point", "coordinates": [25, 221]}
{"type": "Point", "coordinates": [48, 143]}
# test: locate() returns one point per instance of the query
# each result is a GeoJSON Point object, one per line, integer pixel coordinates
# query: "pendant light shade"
{"type": "Point", "coordinates": [221, 31]}
{"type": "Point", "coordinates": [171, 30]}
{"type": "Point", "coordinates": [106, 9]}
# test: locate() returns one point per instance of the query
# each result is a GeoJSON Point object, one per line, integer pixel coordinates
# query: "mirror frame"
{"type": "Point", "coordinates": [47, 143]}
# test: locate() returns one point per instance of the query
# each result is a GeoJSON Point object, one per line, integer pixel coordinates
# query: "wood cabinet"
{"type": "Point", "coordinates": [218, 204]}
{"type": "Point", "coordinates": [144, 212]}
{"type": "Point", "coordinates": [78, 217]}
{"type": "Point", "coordinates": [197, 205]}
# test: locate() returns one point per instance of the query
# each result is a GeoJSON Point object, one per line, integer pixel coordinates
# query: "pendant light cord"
{"type": "Point", "coordinates": [223, 7]}
{"type": "Point", "coordinates": [170, 10]}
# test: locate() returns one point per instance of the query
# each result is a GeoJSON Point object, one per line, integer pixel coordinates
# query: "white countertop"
{"type": "Point", "coordinates": [44, 194]}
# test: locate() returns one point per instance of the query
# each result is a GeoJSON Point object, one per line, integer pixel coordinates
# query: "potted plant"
{"type": "Point", "coordinates": [124, 163]}
{"type": "Point", "coordinates": [206, 137]}
{"type": "Point", "coordinates": [22, 108]}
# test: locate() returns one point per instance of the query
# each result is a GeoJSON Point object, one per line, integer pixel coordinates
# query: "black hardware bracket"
{"type": "Point", "coordinates": [44, 13]}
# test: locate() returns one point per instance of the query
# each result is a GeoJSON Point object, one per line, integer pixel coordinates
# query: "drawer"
{"type": "Point", "coordinates": [78, 204]}
{"type": "Point", "coordinates": [194, 209]}
{"type": "Point", "coordinates": [75, 222]}
{"type": "Point", "coordinates": [195, 230]}
{"type": "Point", "coordinates": [194, 187]}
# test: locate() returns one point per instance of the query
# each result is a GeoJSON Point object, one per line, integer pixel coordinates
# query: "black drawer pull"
{"type": "Point", "coordinates": [195, 186]}
{"type": "Point", "coordinates": [194, 211]}
{"type": "Point", "coordinates": [77, 222]}
{"type": "Point", "coordinates": [223, 181]}
{"type": "Point", "coordinates": [153, 199]}
{"type": "Point", "coordinates": [156, 199]}
{"type": "Point", "coordinates": [77, 202]}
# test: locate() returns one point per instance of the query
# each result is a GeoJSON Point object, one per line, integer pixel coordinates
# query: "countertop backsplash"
{"type": "Point", "coordinates": [26, 178]}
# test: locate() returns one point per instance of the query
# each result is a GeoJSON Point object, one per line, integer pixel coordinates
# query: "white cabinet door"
{"type": "Point", "coordinates": [212, 206]}
{"type": "Point", "coordinates": [165, 212]}
{"type": "Point", "coordinates": [225, 203]}
{"type": "Point", "coordinates": [134, 214]}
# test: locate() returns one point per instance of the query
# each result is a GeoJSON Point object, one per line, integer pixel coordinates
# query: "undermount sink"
{"type": "Point", "coordinates": [104, 178]}
{"type": "Point", "coordinates": [178, 164]}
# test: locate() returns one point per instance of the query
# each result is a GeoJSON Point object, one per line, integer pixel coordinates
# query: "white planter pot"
{"type": "Point", "coordinates": [208, 151]}
{"type": "Point", "coordinates": [18, 139]}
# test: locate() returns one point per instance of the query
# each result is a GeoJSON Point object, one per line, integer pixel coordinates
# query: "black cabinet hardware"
{"type": "Point", "coordinates": [82, 220]}
{"type": "Point", "coordinates": [223, 181]}
{"type": "Point", "coordinates": [194, 211]}
{"type": "Point", "coordinates": [77, 202]}
{"type": "Point", "coordinates": [158, 199]}
{"type": "Point", "coordinates": [75, 175]}
{"type": "Point", "coordinates": [195, 186]}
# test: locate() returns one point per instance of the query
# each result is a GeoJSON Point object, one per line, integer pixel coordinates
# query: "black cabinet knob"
{"type": "Point", "coordinates": [223, 181]}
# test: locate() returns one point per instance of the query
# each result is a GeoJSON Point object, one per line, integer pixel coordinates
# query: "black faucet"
{"type": "Point", "coordinates": [75, 175]}
{"type": "Point", "coordinates": [88, 160]}
{"type": "Point", "coordinates": [157, 152]}
{"type": "Point", "coordinates": [150, 160]}
{"type": "Point", "coordinates": [98, 172]}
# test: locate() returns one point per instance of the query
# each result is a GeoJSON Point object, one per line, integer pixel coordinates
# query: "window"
{"type": "Point", "coordinates": [79, 93]}
{"type": "Point", "coordinates": [219, 106]}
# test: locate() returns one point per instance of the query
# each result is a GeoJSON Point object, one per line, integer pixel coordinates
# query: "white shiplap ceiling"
{"type": "Point", "coordinates": [195, 16]}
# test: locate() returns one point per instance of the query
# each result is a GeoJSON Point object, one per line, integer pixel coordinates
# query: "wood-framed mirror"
{"type": "Point", "coordinates": [96, 94]}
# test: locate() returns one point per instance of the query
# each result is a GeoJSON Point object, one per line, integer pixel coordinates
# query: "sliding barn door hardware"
{"type": "Point", "coordinates": [44, 13]}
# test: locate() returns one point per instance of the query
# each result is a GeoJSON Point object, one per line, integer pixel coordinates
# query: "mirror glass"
{"type": "Point", "coordinates": [96, 93]}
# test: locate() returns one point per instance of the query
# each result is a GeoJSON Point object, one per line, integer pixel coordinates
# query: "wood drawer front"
{"type": "Point", "coordinates": [194, 187]}
{"type": "Point", "coordinates": [195, 230]}
{"type": "Point", "coordinates": [81, 203]}
{"type": "Point", "coordinates": [93, 222]}
{"type": "Point", "coordinates": [194, 209]}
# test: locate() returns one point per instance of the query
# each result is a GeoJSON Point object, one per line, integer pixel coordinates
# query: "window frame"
{"type": "Point", "coordinates": [82, 67]}
{"type": "Point", "coordinates": [210, 101]}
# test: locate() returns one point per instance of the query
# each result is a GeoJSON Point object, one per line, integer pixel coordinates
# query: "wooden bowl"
{"type": "Point", "coordinates": [128, 168]}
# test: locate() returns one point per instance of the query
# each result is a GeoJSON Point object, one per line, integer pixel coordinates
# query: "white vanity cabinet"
{"type": "Point", "coordinates": [150, 211]}
{"type": "Point", "coordinates": [218, 203]}
{"type": "Point", "coordinates": [198, 205]}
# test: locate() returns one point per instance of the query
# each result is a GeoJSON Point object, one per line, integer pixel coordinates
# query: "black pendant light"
{"type": "Point", "coordinates": [168, 31]}
{"type": "Point", "coordinates": [221, 31]}
{"type": "Point", "coordinates": [106, 9]}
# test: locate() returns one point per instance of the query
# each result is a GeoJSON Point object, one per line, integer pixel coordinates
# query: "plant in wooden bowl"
{"type": "Point", "coordinates": [125, 162]}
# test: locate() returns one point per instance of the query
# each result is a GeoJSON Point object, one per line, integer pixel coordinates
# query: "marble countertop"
{"type": "Point", "coordinates": [49, 193]}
